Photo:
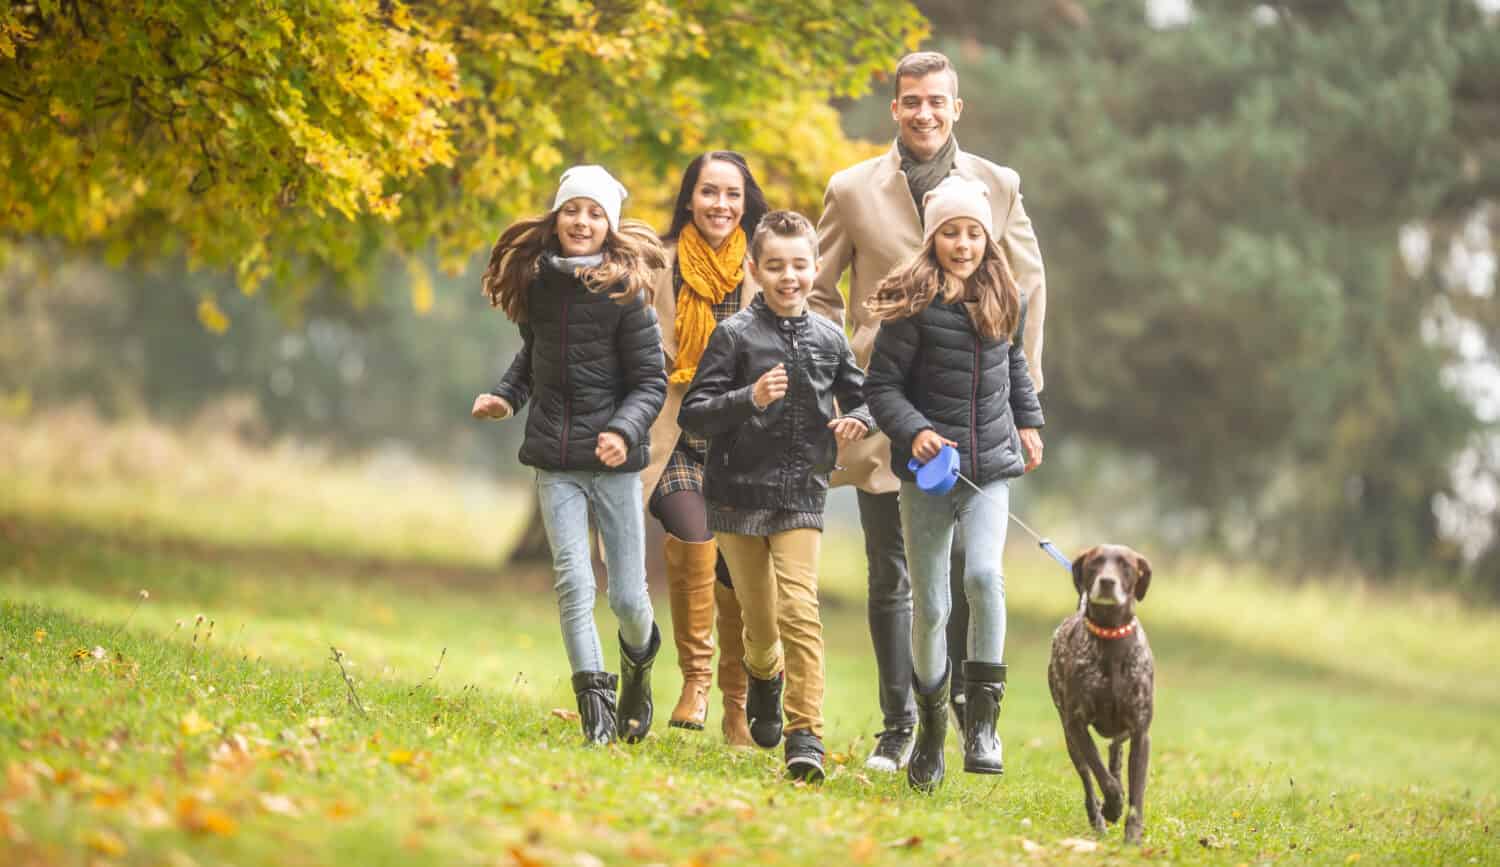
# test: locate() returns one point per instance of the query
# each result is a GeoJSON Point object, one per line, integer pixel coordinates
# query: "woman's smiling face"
{"type": "Point", "coordinates": [718, 201]}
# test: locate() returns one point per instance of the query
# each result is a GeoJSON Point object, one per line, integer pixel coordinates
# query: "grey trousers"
{"type": "Point", "coordinates": [890, 605]}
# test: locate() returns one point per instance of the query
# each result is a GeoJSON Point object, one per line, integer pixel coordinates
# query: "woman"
{"type": "Point", "coordinates": [705, 281]}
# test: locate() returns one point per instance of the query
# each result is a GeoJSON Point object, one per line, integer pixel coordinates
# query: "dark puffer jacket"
{"type": "Point", "coordinates": [933, 370]}
{"type": "Point", "coordinates": [589, 365]}
{"type": "Point", "coordinates": [779, 457]}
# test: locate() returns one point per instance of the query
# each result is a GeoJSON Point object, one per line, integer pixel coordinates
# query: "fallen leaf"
{"type": "Point", "coordinates": [339, 811]}
{"type": "Point", "coordinates": [564, 714]}
{"type": "Point", "coordinates": [40, 635]}
{"type": "Point", "coordinates": [150, 817]}
{"type": "Point", "coordinates": [281, 805]}
{"type": "Point", "coordinates": [1353, 858]}
{"type": "Point", "coordinates": [863, 849]}
{"type": "Point", "coordinates": [105, 842]}
{"type": "Point", "coordinates": [1076, 844]}
{"type": "Point", "coordinates": [202, 819]}
{"type": "Point", "coordinates": [194, 724]}
{"type": "Point", "coordinates": [905, 843]}
{"type": "Point", "coordinates": [1032, 848]}
{"type": "Point", "coordinates": [110, 798]}
{"type": "Point", "coordinates": [400, 757]}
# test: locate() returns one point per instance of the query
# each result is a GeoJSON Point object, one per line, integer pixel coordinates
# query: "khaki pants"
{"type": "Point", "coordinates": [776, 582]}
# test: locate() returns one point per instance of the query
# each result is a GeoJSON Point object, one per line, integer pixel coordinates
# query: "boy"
{"type": "Point", "coordinates": [764, 397]}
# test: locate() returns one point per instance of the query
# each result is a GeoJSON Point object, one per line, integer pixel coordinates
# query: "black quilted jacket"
{"type": "Point", "coordinates": [933, 370]}
{"type": "Point", "coordinates": [781, 457]}
{"type": "Point", "coordinates": [588, 365]}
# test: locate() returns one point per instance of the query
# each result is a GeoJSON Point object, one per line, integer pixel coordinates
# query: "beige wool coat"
{"type": "Point", "coordinates": [869, 227]}
{"type": "Point", "coordinates": [664, 432]}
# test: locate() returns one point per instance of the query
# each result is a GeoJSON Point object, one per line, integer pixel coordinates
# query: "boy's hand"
{"type": "Point", "coordinates": [770, 388]}
{"type": "Point", "coordinates": [927, 445]}
{"type": "Point", "coordinates": [611, 449]}
{"type": "Point", "coordinates": [491, 406]}
{"type": "Point", "coordinates": [1031, 441]}
{"type": "Point", "coordinates": [847, 430]}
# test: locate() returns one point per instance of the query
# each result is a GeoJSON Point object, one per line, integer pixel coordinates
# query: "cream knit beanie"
{"type": "Point", "coordinates": [956, 197]}
{"type": "Point", "coordinates": [592, 182]}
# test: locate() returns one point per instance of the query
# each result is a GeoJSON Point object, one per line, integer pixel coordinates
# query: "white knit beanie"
{"type": "Point", "coordinates": [593, 182]}
{"type": "Point", "coordinates": [956, 197]}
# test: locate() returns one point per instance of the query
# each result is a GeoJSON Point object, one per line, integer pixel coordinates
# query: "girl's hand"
{"type": "Point", "coordinates": [770, 388]}
{"type": "Point", "coordinates": [847, 430]}
{"type": "Point", "coordinates": [1031, 441]}
{"type": "Point", "coordinates": [927, 445]}
{"type": "Point", "coordinates": [490, 406]}
{"type": "Point", "coordinates": [611, 449]}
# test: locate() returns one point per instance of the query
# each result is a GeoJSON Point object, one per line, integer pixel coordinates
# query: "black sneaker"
{"type": "Point", "coordinates": [892, 750]}
{"type": "Point", "coordinates": [804, 756]}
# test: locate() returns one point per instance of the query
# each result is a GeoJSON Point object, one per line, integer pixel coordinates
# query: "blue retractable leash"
{"type": "Point", "coordinates": [939, 475]}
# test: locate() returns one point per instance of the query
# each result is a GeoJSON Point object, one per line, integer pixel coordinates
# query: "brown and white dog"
{"type": "Point", "coordinates": [1102, 675]}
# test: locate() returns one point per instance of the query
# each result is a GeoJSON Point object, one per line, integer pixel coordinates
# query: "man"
{"type": "Point", "coordinates": [872, 223]}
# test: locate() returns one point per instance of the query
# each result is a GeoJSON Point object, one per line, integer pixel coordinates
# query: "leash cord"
{"type": "Point", "coordinates": [1043, 543]}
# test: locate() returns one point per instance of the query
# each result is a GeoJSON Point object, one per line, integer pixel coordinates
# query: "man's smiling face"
{"type": "Point", "coordinates": [924, 110]}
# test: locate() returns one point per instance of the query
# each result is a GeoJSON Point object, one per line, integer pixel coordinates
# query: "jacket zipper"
{"type": "Point", "coordinates": [974, 414]}
{"type": "Point", "coordinates": [797, 366]}
{"type": "Point", "coordinates": [567, 420]}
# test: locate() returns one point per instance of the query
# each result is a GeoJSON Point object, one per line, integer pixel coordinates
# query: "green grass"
{"type": "Point", "coordinates": [1309, 725]}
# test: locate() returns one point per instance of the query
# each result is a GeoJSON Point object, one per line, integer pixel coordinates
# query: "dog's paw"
{"type": "Point", "coordinates": [1113, 804]}
{"type": "Point", "coordinates": [1096, 821]}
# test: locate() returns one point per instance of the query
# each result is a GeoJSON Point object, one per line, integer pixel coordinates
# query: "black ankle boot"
{"type": "Point", "coordinates": [984, 687]}
{"type": "Point", "coordinates": [763, 707]}
{"type": "Point", "coordinates": [634, 718]}
{"type": "Point", "coordinates": [925, 772]}
{"type": "Point", "coordinates": [596, 705]}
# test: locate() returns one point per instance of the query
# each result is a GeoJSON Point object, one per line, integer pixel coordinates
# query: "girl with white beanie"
{"type": "Point", "coordinates": [577, 280]}
{"type": "Point", "coordinates": [948, 370]}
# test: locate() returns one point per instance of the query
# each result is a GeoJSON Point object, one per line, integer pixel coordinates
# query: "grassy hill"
{"type": "Point", "coordinates": [1316, 724]}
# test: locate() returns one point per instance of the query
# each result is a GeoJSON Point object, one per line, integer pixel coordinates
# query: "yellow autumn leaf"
{"type": "Point", "coordinates": [194, 724]}
{"type": "Point", "coordinates": [211, 317]}
{"type": "Point", "coordinates": [40, 635]}
{"type": "Point", "coordinates": [545, 157]}
{"type": "Point", "coordinates": [105, 842]}
{"type": "Point", "coordinates": [400, 757]}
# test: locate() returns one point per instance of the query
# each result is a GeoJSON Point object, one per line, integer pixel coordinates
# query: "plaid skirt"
{"type": "Point", "coordinates": [684, 469]}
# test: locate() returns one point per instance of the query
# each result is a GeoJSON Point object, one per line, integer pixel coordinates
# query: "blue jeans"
{"type": "Point", "coordinates": [565, 496]}
{"type": "Point", "coordinates": [927, 522]}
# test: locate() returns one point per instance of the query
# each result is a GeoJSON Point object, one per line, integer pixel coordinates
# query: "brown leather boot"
{"type": "Point", "coordinates": [733, 682]}
{"type": "Point", "coordinates": [690, 580]}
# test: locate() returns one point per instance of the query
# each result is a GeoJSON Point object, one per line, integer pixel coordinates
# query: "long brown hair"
{"type": "Point", "coordinates": [992, 287]}
{"type": "Point", "coordinates": [632, 255]}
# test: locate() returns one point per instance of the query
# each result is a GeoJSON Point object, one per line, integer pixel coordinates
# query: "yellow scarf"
{"type": "Point", "coordinates": [707, 276]}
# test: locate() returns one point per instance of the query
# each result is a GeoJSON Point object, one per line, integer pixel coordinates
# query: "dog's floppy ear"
{"type": "Point", "coordinates": [1078, 569]}
{"type": "Point", "coordinates": [1143, 576]}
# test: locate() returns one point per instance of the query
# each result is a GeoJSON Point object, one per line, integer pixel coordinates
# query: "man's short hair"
{"type": "Point", "coordinates": [920, 64]}
{"type": "Point", "coordinates": [783, 224]}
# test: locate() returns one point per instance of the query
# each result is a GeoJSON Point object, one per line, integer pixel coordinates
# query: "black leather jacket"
{"type": "Point", "coordinates": [933, 370]}
{"type": "Point", "coordinates": [779, 457]}
{"type": "Point", "coordinates": [589, 365]}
